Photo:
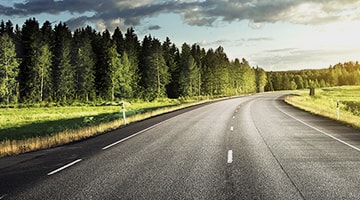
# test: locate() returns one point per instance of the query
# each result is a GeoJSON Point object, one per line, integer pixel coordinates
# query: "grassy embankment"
{"type": "Point", "coordinates": [28, 129]}
{"type": "Point", "coordinates": [324, 103]}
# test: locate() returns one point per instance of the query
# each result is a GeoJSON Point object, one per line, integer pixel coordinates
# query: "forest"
{"type": "Point", "coordinates": [42, 63]}
{"type": "Point", "coordinates": [54, 64]}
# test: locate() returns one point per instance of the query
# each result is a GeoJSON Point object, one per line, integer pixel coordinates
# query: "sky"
{"type": "Point", "coordinates": [276, 35]}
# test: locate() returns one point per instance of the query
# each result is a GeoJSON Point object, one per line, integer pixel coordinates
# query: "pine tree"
{"type": "Point", "coordinates": [102, 69]}
{"type": "Point", "coordinates": [41, 70]}
{"type": "Point", "coordinates": [162, 70]}
{"type": "Point", "coordinates": [189, 73]}
{"type": "Point", "coordinates": [132, 49]}
{"type": "Point", "coordinates": [172, 56]}
{"type": "Point", "coordinates": [119, 41]}
{"type": "Point", "coordinates": [63, 72]}
{"type": "Point", "coordinates": [30, 45]}
{"type": "Point", "coordinates": [127, 78]}
{"type": "Point", "coordinates": [114, 71]}
{"type": "Point", "coordinates": [84, 62]}
{"type": "Point", "coordinates": [208, 76]}
{"type": "Point", "coordinates": [248, 77]}
{"type": "Point", "coordinates": [8, 69]}
{"type": "Point", "coordinates": [261, 79]}
{"type": "Point", "coordinates": [154, 71]}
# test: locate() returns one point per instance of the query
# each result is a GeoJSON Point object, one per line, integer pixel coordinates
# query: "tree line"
{"type": "Point", "coordinates": [347, 73]}
{"type": "Point", "coordinates": [54, 64]}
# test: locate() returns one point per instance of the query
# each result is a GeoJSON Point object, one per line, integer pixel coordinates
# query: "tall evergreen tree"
{"type": "Point", "coordinates": [30, 43]}
{"type": "Point", "coordinates": [84, 62]}
{"type": "Point", "coordinates": [208, 76]}
{"type": "Point", "coordinates": [261, 79]}
{"type": "Point", "coordinates": [132, 49]}
{"type": "Point", "coordinates": [63, 72]}
{"type": "Point", "coordinates": [189, 73]}
{"type": "Point", "coordinates": [102, 68]}
{"type": "Point", "coordinates": [154, 71]}
{"type": "Point", "coordinates": [221, 72]}
{"type": "Point", "coordinates": [172, 57]}
{"type": "Point", "coordinates": [114, 71]}
{"type": "Point", "coordinates": [8, 69]}
{"type": "Point", "coordinates": [41, 70]}
{"type": "Point", "coordinates": [248, 77]}
{"type": "Point", "coordinates": [128, 78]}
{"type": "Point", "coordinates": [119, 40]}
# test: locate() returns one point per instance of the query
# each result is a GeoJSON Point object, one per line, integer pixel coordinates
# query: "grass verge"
{"type": "Point", "coordinates": [324, 103]}
{"type": "Point", "coordinates": [29, 129]}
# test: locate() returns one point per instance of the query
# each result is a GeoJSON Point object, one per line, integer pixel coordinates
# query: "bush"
{"type": "Point", "coordinates": [352, 106]}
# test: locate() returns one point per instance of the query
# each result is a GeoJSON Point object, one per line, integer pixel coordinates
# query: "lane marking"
{"type": "Point", "coordinates": [64, 167]}
{"type": "Point", "coordinates": [231, 128]}
{"type": "Point", "coordinates": [323, 132]}
{"type": "Point", "coordinates": [230, 157]}
{"type": "Point", "coordinates": [3, 196]}
{"type": "Point", "coordinates": [137, 133]}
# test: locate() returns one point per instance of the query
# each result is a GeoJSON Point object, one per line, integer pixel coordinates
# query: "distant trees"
{"type": "Point", "coordinates": [347, 73]}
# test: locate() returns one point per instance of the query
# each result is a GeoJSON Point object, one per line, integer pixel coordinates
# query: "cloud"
{"type": "Point", "coordinates": [194, 12]}
{"type": "Point", "coordinates": [259, 39]}
{"type": "Point", "coordinates": [205, 43]}
{"type": "Point", "coordinates": [280, 50]}
{"type": "Point", "coordinates": [154, 27]}
{"type": "Point", "coordinates": [227, 42]}
{"type": "Point", "coordinates": [290, 58]}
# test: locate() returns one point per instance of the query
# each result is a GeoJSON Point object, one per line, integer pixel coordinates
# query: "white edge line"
{"type": "Point", "coordinates": [122, 140]}
{"type": "Point", "coordinates": [64, 167]}
{"type": "Point", "coordinates": [135, 134]}
{"type": "Point", "coordinates": [3, 196]}
{"type": "Point", "coordinates": [327, 134]}
{"type": "Point", "coordinates": [230, 157]}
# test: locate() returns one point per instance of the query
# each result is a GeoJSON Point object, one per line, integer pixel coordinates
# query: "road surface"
{"type": "Point", "coordinates": [254, 147]}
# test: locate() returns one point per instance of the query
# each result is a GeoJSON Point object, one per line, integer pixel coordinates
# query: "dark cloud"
{"type": "Point", "coordinates": [111, 13]}
{"type": "Point", "coordinates": [154, 27]}
{"type": "Point", "coordinates": [77, 22]}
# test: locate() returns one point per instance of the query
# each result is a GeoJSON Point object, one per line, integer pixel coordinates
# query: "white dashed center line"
{"type": "Point", "coordinates": [230, 157]}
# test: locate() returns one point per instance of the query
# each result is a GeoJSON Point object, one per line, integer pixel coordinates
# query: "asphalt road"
{"type": "Point", "coordinates": [254, 147]}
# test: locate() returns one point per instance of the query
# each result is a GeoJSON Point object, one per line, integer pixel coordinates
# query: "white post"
{"type": "Point", "coordinates": [123, 112]}
{"type": "Point", "coordinates": [338, 110]}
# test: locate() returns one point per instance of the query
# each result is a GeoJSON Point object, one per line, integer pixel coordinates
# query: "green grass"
{"type": "Point", "coordinates": [324, 103]}
{"type": "Point", "coordinates": [28, 129]}
{"type": "Point", "coordinates": [22, 123]}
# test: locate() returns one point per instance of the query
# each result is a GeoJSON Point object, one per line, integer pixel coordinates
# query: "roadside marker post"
{"type": "Point", "coordinates": [338, 109]}
{"type": "Point", "coordinates": [123, 111]}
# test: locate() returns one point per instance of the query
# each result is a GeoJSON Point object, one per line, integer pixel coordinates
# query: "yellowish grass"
{"type": "Point", "coordinates": [14, 147]}
{"type": "Point", "coordinates": [325, 104]}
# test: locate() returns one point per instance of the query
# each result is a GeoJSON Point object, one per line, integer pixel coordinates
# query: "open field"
{"type": "Point", "coordinates": [326, 100]}
{"type": "Point", "coordinates": [29, 129]}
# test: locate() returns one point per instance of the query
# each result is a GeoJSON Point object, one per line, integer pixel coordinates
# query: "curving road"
{"type": "Point", "coordinates": [254, 147]}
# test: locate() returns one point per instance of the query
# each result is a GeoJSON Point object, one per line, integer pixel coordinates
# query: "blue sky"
{"type": "Point", "coordinates": [273, 34]}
